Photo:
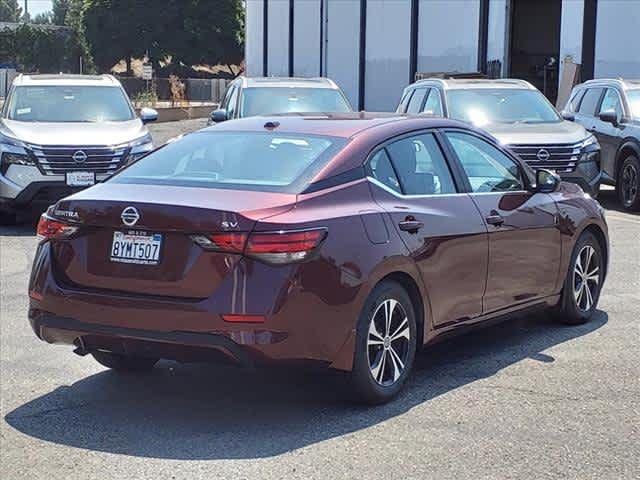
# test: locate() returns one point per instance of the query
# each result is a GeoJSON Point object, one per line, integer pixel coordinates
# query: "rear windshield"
{"type": "Point", "coordinates": [269, 100]}
{"type": "Point", "coordinates": [263, 161]}
{"type": "Point", "coordinates": [482, 106]}
{"type": "Point", "coordinates": [51, 103]}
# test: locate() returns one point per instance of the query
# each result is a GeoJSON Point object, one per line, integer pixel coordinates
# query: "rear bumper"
{"type": "Point", "coordinates": [178, 345]}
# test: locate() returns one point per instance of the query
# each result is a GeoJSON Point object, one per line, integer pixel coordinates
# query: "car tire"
{"type": "Point", "coordinates": [385, 344]}
{"type": "Point", "coordinates": [583, 283]}
{"type": "Point", "coordinates": [628, 183]}
{"type": "Point", "coordinates": [124, 363]}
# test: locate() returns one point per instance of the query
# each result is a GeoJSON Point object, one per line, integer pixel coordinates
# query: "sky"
{"type": "Point", "coordinates": [36, 6]}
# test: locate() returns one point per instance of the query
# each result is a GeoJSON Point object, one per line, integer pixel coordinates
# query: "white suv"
{"type": "Point", "coordinates": [61, 133]}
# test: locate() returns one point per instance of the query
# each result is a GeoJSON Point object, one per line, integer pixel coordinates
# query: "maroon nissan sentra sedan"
{"type": "Point", "coordinates": [348, 241]}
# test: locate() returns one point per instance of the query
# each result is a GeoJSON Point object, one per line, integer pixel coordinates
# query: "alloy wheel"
{"type": "Point", "coordinates": [586, 278]}
{"type": "Point", "coordinates": [629, 184]}
{"type": "Point", "coordinates": [388, 342]}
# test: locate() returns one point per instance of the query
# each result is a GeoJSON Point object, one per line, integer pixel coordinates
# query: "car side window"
{"type": "Point", "coordinates": [434, 104]}
{"type": "Point", "coordinates": [611, 101]}
{"type": "Point", "coordinates": [233, 102]}
{"type": "Point", "coordinates": [402, 108]}
{"type": "Point", "coordinates": [381, 169]}
{"type": "Point", "coordinates": [415, 104]}
{"type": "Point", "coordinates": [421, 166]}
{"type": "Point", "coordinates": [590, 101]}
{"type": "Point", "coordinates": [488, 169]}
{"type": "Point", "coordinates": [574, 101]}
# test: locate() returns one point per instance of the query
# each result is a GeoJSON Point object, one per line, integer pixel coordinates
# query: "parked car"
{"type": "Point", "coordinates": [520, 117]}
{"type": "Point", "coordinates": [347, 241]}
{"type": "Point", "coordinates": [246, 97]}
{"type": "Point", "coordinates": [60, 133]}
{"type": "Point", "coordinates": [610, 109]}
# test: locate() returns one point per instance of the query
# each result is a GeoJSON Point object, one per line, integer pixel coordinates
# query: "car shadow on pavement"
{"type": "Point", "coordinates": [609, 200]}
{"type": "Point", "coordinates": [202, 412]}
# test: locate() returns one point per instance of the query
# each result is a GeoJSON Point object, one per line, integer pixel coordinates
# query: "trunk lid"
{"type": "Point", "coordinates": [183, 268]}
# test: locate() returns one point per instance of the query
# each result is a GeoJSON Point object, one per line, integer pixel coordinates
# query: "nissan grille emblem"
{"type": "Point", "coordinates": [79, 156]}
{"type": "Point", "coordinates": [130, 216]}
{"type": "Point", "coordinates": [543, 155]}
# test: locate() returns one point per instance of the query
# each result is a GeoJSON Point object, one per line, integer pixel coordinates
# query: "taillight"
{"type": "Point", "coordinates": [271, 247]}
{"type": "Point", "coordinates": [49, 228]}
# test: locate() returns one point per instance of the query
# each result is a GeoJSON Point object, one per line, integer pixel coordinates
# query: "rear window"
{"type": "Point", "coordinates": [262, 161]}
{"type": "Point", "coordinates": [269, 100]}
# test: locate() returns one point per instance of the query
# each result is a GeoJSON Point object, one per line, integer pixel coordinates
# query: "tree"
{"type": "Point", "coordinates": [10, 11]}
{"type": "Point", "coordinates": [59, 10]}
{"type": "Point", "coordinates": [77, 47]}
{"type": "Point", "coordinates": [43, 18]}
{"type": "Point", "coordinates": [209, 32]}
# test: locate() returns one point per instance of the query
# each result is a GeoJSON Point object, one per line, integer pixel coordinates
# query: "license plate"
{"type": "Point", "coordinates": [136, 247]}
{"type": "Point", "coordinates": [81, 179]}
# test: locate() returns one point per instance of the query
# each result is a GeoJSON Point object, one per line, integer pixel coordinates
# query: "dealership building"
{"type": "Point", "coordinates": [374, 48]}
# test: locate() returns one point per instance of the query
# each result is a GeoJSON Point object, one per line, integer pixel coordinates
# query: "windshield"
{"type": "Point", "coordinates": [69, 104]}
{"type": "Point", "coordinates": [485, 106]}
{"type": "Point", "coordinates": [634, 102]}
{"type": "Point", "coordinates": [260, 161]}
{"type": "Point", "coordinates": [267, 100]}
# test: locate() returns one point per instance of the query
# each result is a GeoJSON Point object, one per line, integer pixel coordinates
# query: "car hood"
{"type": "Point", "coordinates": [537, 133]}
{"type": "Point", "coordinates": [44, 133]}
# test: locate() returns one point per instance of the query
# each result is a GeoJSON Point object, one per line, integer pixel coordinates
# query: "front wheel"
{"type": "Point", "coordinates": [583, 283]}
{"type": "Point", "coordinates": [628, 183]}
{"type": "Point", "coordinates": [385, 344]}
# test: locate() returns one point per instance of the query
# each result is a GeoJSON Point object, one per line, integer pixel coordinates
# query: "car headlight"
{"type": "Point", "coordinates": [13, 152]}
{"type": "Point", "coordinates": [140, 148]}
{"type": "Point", "coordinates": [590, 140]}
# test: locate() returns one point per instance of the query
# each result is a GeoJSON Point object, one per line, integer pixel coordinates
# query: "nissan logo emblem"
{"type": "Point", "coordinates": [130, 216]}
{"type": "Point", "coordinates": [79, 156]}
{"type": "Point", "coordinates": [543, 155]}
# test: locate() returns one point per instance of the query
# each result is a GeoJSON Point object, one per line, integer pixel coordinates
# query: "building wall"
{"type": "Point", "coordinates": [278, 42]}
{"type": "Point", "coordinates": [343, 46]}
{"type": "Point", "coordinates": [617, 52]}
{"type": "Point", "coordinates": [306, 38]}
{"type": "Point", "coordinates": [496, 38]}
{"type": "Point", "coordinates": [253, 52]}
{"type": "Point", "coordinates": [447, 35]}
{"type": "Point", "coordinates": [387, 53]}
{"type": "Point", "coordinates": [571, 31]}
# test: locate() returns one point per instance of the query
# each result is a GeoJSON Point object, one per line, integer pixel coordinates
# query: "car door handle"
{"type": "Point", "coordinates": [411, 226]}
{"type": "Point", "coordinates": [496, 220]}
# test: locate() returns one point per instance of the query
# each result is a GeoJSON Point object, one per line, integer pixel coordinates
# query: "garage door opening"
{"type": "Point", "coordinates": [535, 43]}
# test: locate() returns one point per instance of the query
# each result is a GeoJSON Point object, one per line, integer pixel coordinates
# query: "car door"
{"type": "Point", "coordinates": [586, 112]}
{"type": "Point", "coordinates": [609, 135]}
{"type": "Point", "coordinates": [439, 225]}
{"type": "Point", "coordinates": [524, 239]}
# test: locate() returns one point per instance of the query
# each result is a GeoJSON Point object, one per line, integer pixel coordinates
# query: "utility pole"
{"type": "Point", "coordinates": [26, 11]}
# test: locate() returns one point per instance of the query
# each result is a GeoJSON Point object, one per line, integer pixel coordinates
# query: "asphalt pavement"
{"type": "Point", "coordinates": [527, 399]}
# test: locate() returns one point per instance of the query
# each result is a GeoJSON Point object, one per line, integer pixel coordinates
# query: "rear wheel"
{"type": "Point", "coordinates": [385, 344]}
{"type": "Point", "coordinates": [582, 286]}
{"type": "Point", "coordinates": [628, 183]}
{"type": "Point", "coordinates": [124, 363]}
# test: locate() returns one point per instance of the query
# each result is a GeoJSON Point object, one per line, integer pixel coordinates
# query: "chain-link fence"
{"type": "Point", "coordinates": [196, 89]}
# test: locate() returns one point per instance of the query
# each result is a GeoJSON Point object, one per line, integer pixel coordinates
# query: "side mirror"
{"type": "Point", "coordinates": [219, 115]}
{"type": "Point", "coordinates": [609, 116]}
{"type": "Point", "coordinates": [546, 181]}
{"type": "Point", "coordinates": [148, 115]}
{"type": "Point", "coordinates": [568, 116]}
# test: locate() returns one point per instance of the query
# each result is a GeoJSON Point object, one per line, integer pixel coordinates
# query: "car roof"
{"type": "Point", "coordinates": [346, 125]}
{"type": "Point", "coordinates": [290, 82]}
{"type": "Point", "coordinates": [624, 84]}
{"type": "Point", "coordinates": [468, 83]}
{"type": "Point", "coordinates": [66, 80]}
